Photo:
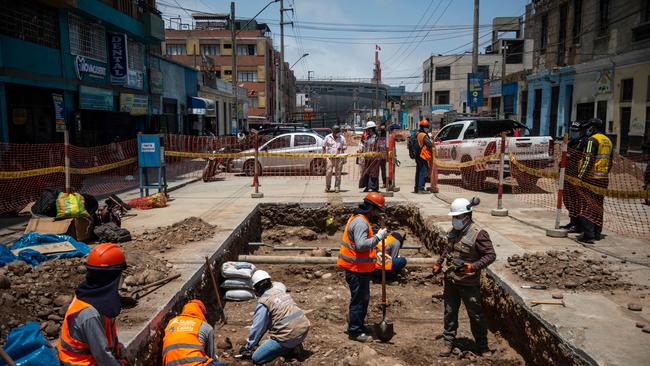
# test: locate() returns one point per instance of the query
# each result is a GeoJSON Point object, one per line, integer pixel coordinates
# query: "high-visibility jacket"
{"type": "Point", "coordinates": [181, 344]}
{"type": "Point", "coordinates": [602, 158]}
{"type": "Point", "coordinates": [352, 259]}
{"type": "Point", "coordinates": [425, 152]}
{"type": "Point", "coordinates": [73, 351]}
{"type": "Point", "coordinates": [390, 240]}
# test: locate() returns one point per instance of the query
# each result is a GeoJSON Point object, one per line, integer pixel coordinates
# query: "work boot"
{"type": "Point", "coordinates": [573, 229]}
{"type": "Point", "coordinates": [361, 337]}
{"type": "Point", "coordinates": [484, 351]}
{"type": "Point", "coordinates": [447, 350]}
{"type": "Point", "coordinates": [585, 239]}
{"type": "Point", "coordinates": [337, 190]}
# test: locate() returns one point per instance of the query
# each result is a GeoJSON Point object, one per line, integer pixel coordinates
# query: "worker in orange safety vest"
{"type": "Point", "coordinates": [394, 262]}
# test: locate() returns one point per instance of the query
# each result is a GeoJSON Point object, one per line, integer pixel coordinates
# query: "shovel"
{"type": "Point", "coordinates": [384, 329]}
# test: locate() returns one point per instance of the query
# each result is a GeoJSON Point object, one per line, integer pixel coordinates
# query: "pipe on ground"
{"type": "Point", "coordinates": [273, 259]}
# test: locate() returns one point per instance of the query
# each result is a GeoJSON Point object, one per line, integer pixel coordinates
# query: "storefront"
{"type": "Point", "coordinates": [550, 102]}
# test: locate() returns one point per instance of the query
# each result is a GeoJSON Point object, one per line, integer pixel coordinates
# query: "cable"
{"type": "Point", "coordinates": [416, 27]}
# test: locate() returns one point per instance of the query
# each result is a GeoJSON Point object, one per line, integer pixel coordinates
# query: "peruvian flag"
{"type": "Point", "coordinates": [377, 48]}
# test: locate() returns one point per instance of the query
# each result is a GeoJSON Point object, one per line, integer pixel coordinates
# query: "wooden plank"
{"type": "Point", "coordinates": [61, 247]}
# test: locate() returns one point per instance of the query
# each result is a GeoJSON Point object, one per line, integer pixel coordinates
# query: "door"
{"type": "Point", "coordinates": [626, 113]}
{"type": "Point", "coordinates": [584, 111]}
{"type": "Point", "coordinates": [555, 100]}
{"type": "Point", "coordinates": [279, 144]}
{"type": "Point", "coordinates": [537, 112]}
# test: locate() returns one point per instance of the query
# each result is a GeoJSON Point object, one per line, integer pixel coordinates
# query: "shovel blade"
{"type": "Point", "coordinates": [384, 331]}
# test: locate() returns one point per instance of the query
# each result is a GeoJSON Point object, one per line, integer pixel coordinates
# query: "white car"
{"type": "Point", "coordinates": [295, 142]}
{"type": "Point", "coordinates": [468, 140]}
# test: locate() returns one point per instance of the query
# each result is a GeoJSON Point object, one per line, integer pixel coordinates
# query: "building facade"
{"type": "Point", "coordinates": [80, 65]}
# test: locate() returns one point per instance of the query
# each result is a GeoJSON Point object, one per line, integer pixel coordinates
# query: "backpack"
{"type": "Point", "coordinates": [413, 146]}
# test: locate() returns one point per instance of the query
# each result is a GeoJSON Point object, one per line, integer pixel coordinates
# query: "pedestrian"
{"type": "Point", "coordinates": [357, 255]}
{"type": "Point", "coordinates": [394, 262]}
{"type": "Point", "coordinates": [593, 172]}
{"type": "Point", "coordinates": [468, 251]}
{"type": "Point", "coordinates": [278, 314]}
{"type": "Point", "coordinates": [370, 171]}
{"type": "Point", "coordinates": [424, 158]}
{"type": "Point", "coordinates": [334, 144]}
{"type": "Point", "coordinates": [89, 334]}
{"type": "Point", "coordinates": [382, 144]}
{"type": "Point", "coordinates": [189, 339]}
{"type": "Point", "coordinates": [570, 196]}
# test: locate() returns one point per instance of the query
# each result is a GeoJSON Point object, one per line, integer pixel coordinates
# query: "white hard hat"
{"type": "Point", "coordinates": [260, 276]}
{"type": "Point", "coordinates": [458, 207]}
{"type": "Point", "coordinates": [370, 124]}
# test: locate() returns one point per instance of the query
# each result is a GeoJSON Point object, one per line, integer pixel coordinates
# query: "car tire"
{"type": "Point", "coordinates": [317, 167]}
{"type": "Point", "coordinates": [471, 179]}
{"type": "Point", "coordinates": [249, 168]}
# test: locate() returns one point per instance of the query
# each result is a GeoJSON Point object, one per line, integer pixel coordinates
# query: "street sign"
{"type": "Point", "coordinates": [59, 112]}
{"type": "Point", "coordinates": [475, 90]}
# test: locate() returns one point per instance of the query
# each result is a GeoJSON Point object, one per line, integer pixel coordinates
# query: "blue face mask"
{"type": "Point", "coordinates": [457, 223]}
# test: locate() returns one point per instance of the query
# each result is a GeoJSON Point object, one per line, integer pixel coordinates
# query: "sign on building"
{"type": "Point", "coordinates": [118, 58]}
{"type": "Point", "coordinates": [84, 68]}
{"type": "Point", "coordinates": [59, 112]}
{"type": "Point", "coordinates": [134, 104]}
{"type": "Point", "coordinates": [475, 90]}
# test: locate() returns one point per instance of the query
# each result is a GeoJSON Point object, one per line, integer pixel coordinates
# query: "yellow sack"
{"type": "Point", "coordinates": [70, 205]}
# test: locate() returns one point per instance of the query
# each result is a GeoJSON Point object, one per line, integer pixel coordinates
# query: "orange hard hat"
{"type": "Point", "coordinates": [424, 123]}
{"type": "Point", "coordinates": [106, 256]}
{"type": "Point", "coordinates": [375, 199]}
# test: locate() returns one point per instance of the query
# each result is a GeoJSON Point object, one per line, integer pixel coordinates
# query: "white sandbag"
{"type": "Point", "coordinates": [239, 295]}
{"type": "Point", "coordinates": [280, 285]}
{"type": "Point", "coordinates": [237, 270]}
{"type": "Point", "coordinates": [237, 283]}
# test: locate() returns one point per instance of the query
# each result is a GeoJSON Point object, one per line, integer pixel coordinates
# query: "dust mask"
{"type": "Point", "coordinates": [458, 224]}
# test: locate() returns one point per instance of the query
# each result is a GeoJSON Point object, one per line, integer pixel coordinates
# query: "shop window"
{"type": "Point", "coordinates": [543, 34]}
{"type": "Point", "coordinates": [250, 76]}
{"type": "Point", "coordinates": [627, 90]}
{"type": "Point", "coordinates": [209, 49]}
{"type": "Point", "coordinates": [136, 55]}
{"type": "Point", "coordinates": [443, 72]}
{"type": "Point", "coordinates": [603, 16]}
{"type": "Point", "coordinates": [87, 39]}
{"type": "Point", "coordinates": [577, 20]}
{"type": "Point", "coordinates": [23, 20]}
{"type": "Point", "coordinates": [485, 71]}
{"type": "Point", "coordinates": [442, 97]}
{"type": "Point", "coordinates": [176, 49]}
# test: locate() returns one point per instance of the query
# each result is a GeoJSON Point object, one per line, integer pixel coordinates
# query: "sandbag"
{"type": "Point", "coordinates": [237, 283]}
{"type": "Point", "coordinates": [70, 205]}
{"type": "Point", "coordinates": [238, 270]}
{"type": "Point", "coordinates": [239, 295]}
{"type": "Point", "coordinates": [27, 346]}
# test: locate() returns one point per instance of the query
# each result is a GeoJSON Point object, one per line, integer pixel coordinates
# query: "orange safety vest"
{"type": "Point", "coordinates": [425, 152]}
{"type": "Point", "coordinates": [352, 259]}
{"type": "Point", "coordinates": [380, 251]}
{"type": "Point", "coordinates": [181, 345]}
{"type": "Point", "coordinates": [75, 352]}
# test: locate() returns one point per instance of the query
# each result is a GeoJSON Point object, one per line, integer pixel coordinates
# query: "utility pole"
{"type": "Point", "coordinates": [431, 73]}
{"type": "Point", "coordinates": [503, 78]}
{"type": "Point", "coordinates": [234, 63]}
{"type": "Point", "coordinates": [475, 45]}
{"type": "Point", "coordinates": [282, 86]}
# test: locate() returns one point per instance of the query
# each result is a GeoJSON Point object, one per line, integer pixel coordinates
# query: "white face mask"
{"type": "Point", "coordinates": [457, 223]}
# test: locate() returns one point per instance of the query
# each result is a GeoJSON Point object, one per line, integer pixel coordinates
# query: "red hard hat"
{"type": "Point", "coordinates": [424, 123]}
{"type": "Point", "coordinates": [375, 199]}
{"type": "Point", "coordinates": [106, 256]}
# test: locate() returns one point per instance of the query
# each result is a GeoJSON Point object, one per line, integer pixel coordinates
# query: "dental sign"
{"type": "Point", "coordinates": [118, 59]}
{"type": "Point", "coordinates": [83, 67]}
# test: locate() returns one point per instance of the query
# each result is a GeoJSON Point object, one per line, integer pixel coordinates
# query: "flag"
{"type": "Point", "coordinates": [377, 48]}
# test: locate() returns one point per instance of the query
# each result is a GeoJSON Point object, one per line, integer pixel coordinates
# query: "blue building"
{"type": "Point", "coordinates": [550, 95]}
{"type": "Point", "coordinates": [81, 64]}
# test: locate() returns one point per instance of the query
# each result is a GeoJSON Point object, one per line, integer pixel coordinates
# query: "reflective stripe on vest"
{"type": "Point", "coordinates": [602, 158]}
{"type": "Point", "coordinates": [181, 344]}
{"type": "Point", "coordinates": [284, 321]}
{"type": "Point", "coordinates": [352, 259]}
{"type": "Point", "coordinates": [187, 360]}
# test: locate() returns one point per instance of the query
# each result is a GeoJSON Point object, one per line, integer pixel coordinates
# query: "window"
{"type": "Point", "coordinates": [627, 90]}
{"type": "Point", "coordinates": [245, 50]}
{"type": "Point", "coordinates": [303, 140]}
{"type": "Point", "coordinates": [485, 70]}
{"type": "Point", "coordinates": [279, 142]}
{"type": "Point", "coordinates": [561, 47]}
{"type": "Point", "coordinates": [442, 97]}
{"type": "Point", "coordinates": [577, 20]}
{"type": "Point", "coordinates": [136, 55]}
{"type": "Point", "coordinates": [443, 72]}
{"type": "Point", "coordinates": [647, 95]}
{"type": "Point", "coordinates": [603, 16]}
{"type": "Point", "coordinates": [227, 46]}
{"type": "Point", "coordinates": [450, 132]}
{"type": "Point", "coordinates": [176, 49]}
{"type": "Point", "coordinates": [23, 20]}
{"type": "Point", "coordinates": [209, 49]}
{"type": "Point", "coordinates": [247, 76]}
{"type": "Point", "coordinates": [87, 39]}
{"type": "Point", "coordinates": [601, 110]}
{"type": "Point", "coordinates": [543, 35]}
{"type": "Point", "coordinates": [227, 72]}
{"type": "Point", "coordinates": [253, 102]}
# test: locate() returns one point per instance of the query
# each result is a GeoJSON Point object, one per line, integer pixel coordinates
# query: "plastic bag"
{"type": "Point", "coordinates": [35, 239]}
{"type": "Point", "coordinates": [27, 346]}
{"type": "Point", "coordinates": [6, 256]}
{"type": "Point", "coordinates": [238, 270]}
{"type": "Point", "coordinates": [157, 200]}
{"type": "Point", "coordinates": [70, 205]}
{"type": "Point", "coordinates": [239, 295]}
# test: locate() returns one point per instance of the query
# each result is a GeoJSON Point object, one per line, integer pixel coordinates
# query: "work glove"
{"type": "Point", "coordinates": [382, 234]}
{"type": "Point", "coordinates": [436, 269]}
{"type": "Point", "coordinates": [468, 268]}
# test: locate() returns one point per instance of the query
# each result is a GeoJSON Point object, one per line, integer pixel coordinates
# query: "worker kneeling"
{"type": "Point", "coordinates": [189, 339]}
{"type": "Point", "coordinates": [277, 313]}
{"type": "Point", "coordinates": [88, 334]}
{"type": "Point", "coordinates": [394, 263]}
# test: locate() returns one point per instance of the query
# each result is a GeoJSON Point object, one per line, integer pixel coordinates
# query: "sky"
{"type": "Point", "coordinates": [340, 35]}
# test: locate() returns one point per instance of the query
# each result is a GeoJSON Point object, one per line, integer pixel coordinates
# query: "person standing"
{"type": "Point", "coordinates": [423, 159]}
{"type": "Point", "coordinates": [468, 251]}
{"type": "Point", "coordinates": [370, 172]}
{"type": "Point", "coordinates": [89, 334]}
{"type": "Point", "coordinates": [594, 170]}
{"type": "Point", "coordinates": [334, 144]}
{"type": "Point", "coordinates": [382, 141]}
{"type": "Point", "coordinates": [357, 255]}
{"type": "Point", "coordinates": [394, 262]}
{"type": "Point", "coordinates": [277, 313]}
{"type": "Point", "coordinates": [189, 339]}
{"type": "Point", "coordinates": [570, 197]}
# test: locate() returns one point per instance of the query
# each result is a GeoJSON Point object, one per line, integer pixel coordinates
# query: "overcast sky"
{"type": "Point", "coordinates": [340, 35]}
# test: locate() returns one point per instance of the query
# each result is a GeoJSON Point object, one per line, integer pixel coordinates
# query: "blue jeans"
{"type": "Point", "coordinates": [398, 265]}
{"type": "Point", "coordinates": [215, 363]}
{"type": "Point", "coordinates": [359, 283]}
{"type": "Point", "coordinates": [269, 351]}
{"type": "Point", "coordinates": [421, 172]}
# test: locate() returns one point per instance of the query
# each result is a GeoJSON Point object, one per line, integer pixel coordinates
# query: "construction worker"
{"type": "Point", "coordinates": [422, 161]}
{"type": "Point", "coordinates": [189, 339]}
{"type": "Point", "coordinates": [593, 171]}
{"type": "Point", "coordinates": [277, 313]}
{"type": "Point", "coordinates": [357, 257]}
{"type": "Point", "coordinates": [394, 263]}
{"type": "Point", "coordinates": [334, 144]}
{"type": "Point", "coordinates": [468, 251]}
{"type": "Point", "coordinates": [570, 197]}
{"type": "Point", "coordinates": [88, 334]}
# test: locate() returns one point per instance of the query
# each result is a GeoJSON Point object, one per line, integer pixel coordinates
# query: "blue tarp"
{"type": "Point", "coordinates": [33, 239]}
{"type": "Point", "coordinates": [27, 346]}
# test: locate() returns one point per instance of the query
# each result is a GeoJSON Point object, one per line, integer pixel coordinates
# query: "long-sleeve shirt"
{"type": "Point", "coordinates": [88, 327]}
{"type": "Point", "coordinates": [487, 256]}
{"type": "Point", "coordinates": [261, 324]}
{"type": "Point", "coordinates": [206, 337]}
{"type": "Point", "coordinates": [358, 231]}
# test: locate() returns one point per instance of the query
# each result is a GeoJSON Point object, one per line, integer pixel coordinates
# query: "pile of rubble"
{"type": "Point", "coordinates": [162, 238]}
{"type": "Point", "coordinates": [566, 269]}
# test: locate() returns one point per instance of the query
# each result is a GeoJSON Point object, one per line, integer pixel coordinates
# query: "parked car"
{"type": "Point", "coordinates": [295, 142]}
{"type": "Point", "coordinates": [323, 131]}
{"type": "Point", "coordinates": [468, 140]}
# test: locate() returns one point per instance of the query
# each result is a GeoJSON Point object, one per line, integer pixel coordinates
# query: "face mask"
{"type": "Point", "coordinates": [457, 223]}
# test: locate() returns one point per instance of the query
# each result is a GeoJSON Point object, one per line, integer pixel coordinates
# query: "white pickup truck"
{"type": "Point", "coordinates": [468, 140]}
